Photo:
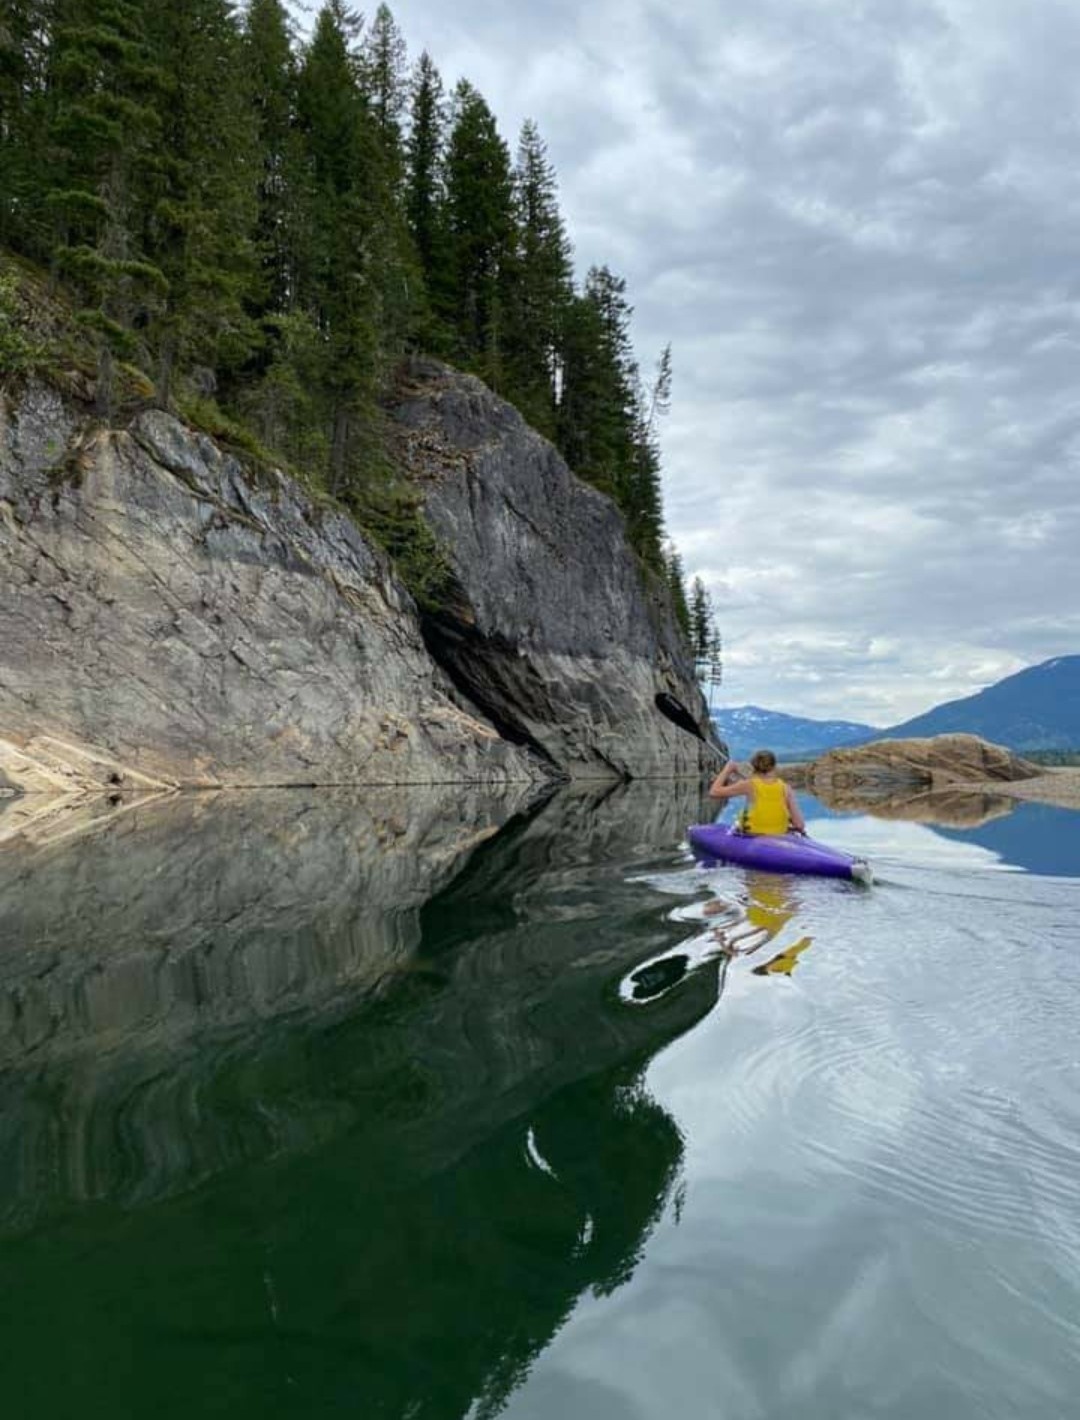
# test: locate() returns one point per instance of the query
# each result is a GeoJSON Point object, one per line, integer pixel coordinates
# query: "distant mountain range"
{"type": "Point", "coordinates": [749, 727]}
{"type": "Point", "coordinates": [1035, 709]}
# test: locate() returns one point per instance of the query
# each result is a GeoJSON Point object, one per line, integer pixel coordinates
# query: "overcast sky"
{"type": "Point", "coordinates": [858, 223]}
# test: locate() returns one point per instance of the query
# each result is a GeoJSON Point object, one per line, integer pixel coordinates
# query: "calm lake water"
{"type": "Point", "coordinates": [417, 1104]}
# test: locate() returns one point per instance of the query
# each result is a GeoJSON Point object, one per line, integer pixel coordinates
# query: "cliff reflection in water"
{"type": "Point", "coordinates": [333, 1090]}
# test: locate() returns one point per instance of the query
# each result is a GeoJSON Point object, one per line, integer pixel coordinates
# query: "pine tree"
{"type": "Point", "coordinates": [480, 236]}
{"type": "Point", "coordinates": [202, 221]}
{"type": "Point", "coordinates": [596, 415]}
{"type": "Point", "coordinates": [715, 672]}
{"type": "Point", "coordinates": [355, 283]}
{"type": "Point", "coordinates": [384, 82]}
{"type": "Point", "coordinates": [676, 582]}
{"type": "Point", "coordinates": [641, 496]}
{"type": "Point", "coordinates": [104, 129]}
{"type": "Point", "coordinates": [281, 393]}
{"type": "Point", "coordinates": [543, 285]}
{"type": "Point", "coordinates": [424, 191]}
{"type": "Point", "coordinates": [271, 85]}
{"type": "Point", "coordinates": [332, 285]}
{"type": "Point", "coordinates": [24, 34]}
{"type": "Point", "coordinates": [700, 620]}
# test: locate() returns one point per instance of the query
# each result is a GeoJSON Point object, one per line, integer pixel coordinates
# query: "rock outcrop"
{"type": "Point", "coordinates": [168, 620]}
{"type": "Point", "coordinates": [886, 768]}
{"type": "Point", "coordinates": [552, 631]}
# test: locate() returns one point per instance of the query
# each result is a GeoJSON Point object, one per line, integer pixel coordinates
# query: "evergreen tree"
{"type": "Point", "coordinates": [424, 191]}
{"type": "Point", "coordinates": [104, 129]}
{"type": "Point", "coordinates": [24, 34]}
{"type": "Point", "coordinates": [642, 497]}
{"type": "Point", "coordinates": [701, 627]}
{"type": "Point", "coordinates": [384, 79]}
{"type": "Point", "coordinates": [271, 84]}
{"type": "Point", "coordinates": [607, 420]}
{"type": "Point", "coordinates": [202, 222]}
{"type": "Point", "coordinates": [543, 285]}
{"type": "Point", "coordinates": [480, 232]}
{"type": "Point", "coordinates": [676, 583]}
{"type": "Point", "coordinates": [705, 641]}
{"type": "Point", "coordinates": [356, 278]}
{"type": "Point", "coordinates": [715, 672]}
{"type": "Point", "coordinates": [281, 393]}
{"type": "Point", "coordinates": [595, 429]}
{"type": "Point", "coordinates": [332, 283]}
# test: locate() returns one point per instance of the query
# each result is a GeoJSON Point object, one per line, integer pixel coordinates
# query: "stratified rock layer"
{"type": "Point", "coordinates": [552, 632]}
{"type": "Point", "coordinates": [162, 619]}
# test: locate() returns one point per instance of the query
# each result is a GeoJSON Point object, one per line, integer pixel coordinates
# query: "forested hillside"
{"type": "Point", "coordinates": [256, 231]}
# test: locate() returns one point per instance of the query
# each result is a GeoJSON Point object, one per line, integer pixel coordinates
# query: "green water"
{"type": "Point", "coordinates": [428, 1104]}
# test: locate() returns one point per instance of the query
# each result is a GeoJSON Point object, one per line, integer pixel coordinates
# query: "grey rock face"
{"type": "Point", "coordinates": [554, 634]}
{"type": "Point", "coordinates": [161, 617]}
{"type": "Point", "coordinates": [165, 621]}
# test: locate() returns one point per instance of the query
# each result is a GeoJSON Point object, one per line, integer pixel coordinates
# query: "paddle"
{"type": "Point", "coordinates": [675, 711]}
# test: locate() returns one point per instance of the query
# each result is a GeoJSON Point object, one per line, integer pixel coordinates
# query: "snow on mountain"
{"type": "Point", "coordinates": [750, 727]}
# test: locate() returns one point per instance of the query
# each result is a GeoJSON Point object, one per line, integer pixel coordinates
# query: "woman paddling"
{"type": "Point", "coordinates": [770, 803]}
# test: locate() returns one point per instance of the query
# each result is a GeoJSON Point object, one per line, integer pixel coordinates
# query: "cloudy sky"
{"type": "Point", "coordinates": [858, 223]}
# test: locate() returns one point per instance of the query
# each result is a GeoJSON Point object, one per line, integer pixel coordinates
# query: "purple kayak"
{"type": "Point", "coordinates": [775, 853]}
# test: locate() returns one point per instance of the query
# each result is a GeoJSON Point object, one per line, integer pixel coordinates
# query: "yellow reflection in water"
{"type": "Point", "coordinates": [773, 902]}
{"type": "Point", "coordinates": [785, 962]}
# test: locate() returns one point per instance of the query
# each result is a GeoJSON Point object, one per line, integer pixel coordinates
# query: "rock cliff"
{"type": "Point", "coordinates": [553, 631]}
{"type": "Point", "coordinates": [167, 620]}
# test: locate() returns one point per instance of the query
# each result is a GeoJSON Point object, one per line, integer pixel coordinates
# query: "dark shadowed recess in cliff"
{"type": "Point", "coordinates": [470, 661]}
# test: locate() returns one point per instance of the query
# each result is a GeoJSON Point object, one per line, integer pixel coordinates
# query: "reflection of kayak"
{"type": "Point", "coordinates": [775, 853]}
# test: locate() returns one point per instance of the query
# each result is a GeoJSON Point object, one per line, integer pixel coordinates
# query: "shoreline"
{"type": "Point", "coordinates": [1058, 786]}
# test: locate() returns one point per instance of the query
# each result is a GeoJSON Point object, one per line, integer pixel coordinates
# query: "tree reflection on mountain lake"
{"type": "Point", "coordinates": [433, 1103]}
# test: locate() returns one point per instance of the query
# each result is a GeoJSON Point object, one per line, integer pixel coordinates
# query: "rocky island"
{"type": "Point", "coordinates": [956, 779]}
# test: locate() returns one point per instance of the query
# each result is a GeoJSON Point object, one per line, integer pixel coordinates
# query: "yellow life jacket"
{"type": "Point", "coordinates": [767, 810]}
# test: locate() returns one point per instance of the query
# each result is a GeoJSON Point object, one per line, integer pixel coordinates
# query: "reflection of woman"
{"type": "Point", "coordinates": [771, 906]}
